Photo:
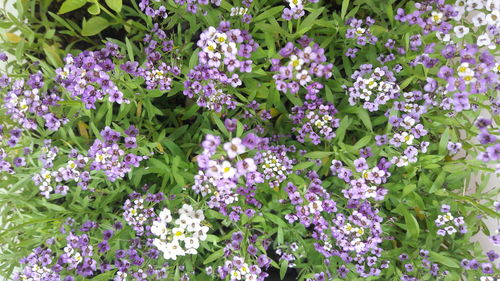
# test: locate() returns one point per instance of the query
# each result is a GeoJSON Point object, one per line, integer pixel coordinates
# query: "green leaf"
{"type": "Point", "coordinates": [309, 21]}
{"type": "Point", "coordinates": [52, 55]}
{"type": "Point", "coordinates": [406, 82]}
{"type": "Point", "coordinates": [130, 50]}
{"type": "Point", "coordinates": [363, 142]}
{"type": "Point", "coordinates": [343, 11]}
{"type": "Point", "coordinates": [443, 142]}
{"type": "Point", "coordinates": [283, 269]}
{"type": "Point", "coordinates": [214, 256]}
{"type": "Point", "coordinates": [268, 13]}
{"type": "Point", "coordinates": [94, 9]}
{"type": "Point", "coordinates": [220, 125]}
{"type": "Point", "coordinates": [71, 5]}
{"type": "Point", "coordinates": [302, 166]}
{"type": "Point", "coordinates": [280, 239]}
{"type": "Point", "coordinates": [440, 258]}
{"type": "Point", "coordinates": [344, 123]}
{"type": "Point", "coordinates": [94, 25]}
{"type": "Point", "coordinates": [364, 117]}
{"type": "Point", "coordinates": [318, 154]}
{"type": "Point", "coordinates": [411, 225]}
{"type": "Point", "coordinates": [115, 5]}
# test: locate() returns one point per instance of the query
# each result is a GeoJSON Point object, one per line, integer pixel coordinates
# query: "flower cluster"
{"type": "Point", "coordinates": [25, 100]}
{"type": "Point", "coordinates": [223, 51]}
{"type": "Point", "coordinates": [275, 164]}
{"type": "Point", "coordinates": [88, 76]}
{"type": "Point", "coordinates": [226, 48]}
{"type": "Point", "coordinates": [300, 66]}
{"type": "Point", "coordinates": [448, 224]}
{"type": "Point", "coordinates": [209, 85]}
{"type": "Point", "coordinates": [485, 137]}
{"type": "Point", "coordinates": [368, 184]}
{"type": "Point", "coordinates": [373, 87]}
{"type": "Point", "coordinates": [421, 261]}
{"type": "Point", "coordinates": [242, 12]}
{"type": "Point", "coordinates": [136, 214]}
{"type": "Point", "coordinates": [289, 253]}
{"type": "Point", "coordinates": [155, 72]}
{"type": "Point", "coordinates": [184, 235]}
{"type": "Point", "coordinates": [219, 176]}
{"type": "Point", "coordinates": [112, 158]}
{"type": "Point", "coordinates": [360, 30]}
{"type": "Point", "coordinates": [37, 266]}
{"type": "Point", "coordinates": [106, 156]}
{"type": "Point", "coordinates": [316, 121]}
{"type": "Point", "coordinates": [296, 10]}
{"type": "Point", "coordinates": [236, 267]}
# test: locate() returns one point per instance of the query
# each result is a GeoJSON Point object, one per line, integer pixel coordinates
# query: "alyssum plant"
{"type": "Point", "coordinates": [249, 140]}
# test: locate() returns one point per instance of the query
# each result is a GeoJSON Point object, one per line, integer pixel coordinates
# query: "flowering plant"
{"type": "Point", "coordinates": [249, 140]}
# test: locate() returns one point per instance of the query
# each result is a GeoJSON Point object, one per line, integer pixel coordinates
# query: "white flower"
{"type": "Point", "coordinates": [210, 47]}
{"type": "Point", "coordinates": [315, 206]}
{"type": "Point", "coordinates": [235, 275]}
{"type": "Point", "coordinates": [220, 38]}
{"type": "Point", "coordinates": [183, 221]}
{"type": "Point", "coordinates": [492, 5]}
{"type": "Point", "coordinates": [474, 5]}
{"type": "Point", "coordinates": [296, 62]}
{"type": "Point", "coordinates": [234, 10]}
{"type": "Point", "coordinates": [251, 277]}
{"type": "Point", "coordinates": [187, 210]}
{"type": "Point", "coordinates": [295, 3]}
{"type": "Point", "coordinates": [178, 233]}
{"type": "Point", "coordinates": [450, 230]}
{"type": "Point", "coordinates": [68, 250]}
{"type": "Point", "coordinates": [409, 122]}
{"type": "Point", "coordinates": [436, 16]}
{"type": "Point", "coordinates": [159, 229]}
{"type": "Point", "coordinates": [493, 18]}
{"type": "Point", "coordinates": [211, 31]}
{"type": "Point", "coordinates": [242, 11]}
{"type": "Point", "coordinates": [461, 31]}
{"type": "Point", "coordinates": [483, 40]}
{"type": "Point", "coordinates": [227, 170]}
{"type": "Point", "coordinates": [229, 48]}
{"type": "Point", "coordinates": [77, 258]}
{"type": "Point", "coordinates": [358, 244]}
{"type": "Point", "coordinates": [443, 37]}
{"type": "Point", "coordinates": [360, 31]}
{"type": "Point", "coordinates": [479, 19]}
{"type": "Point", "coordinates": [464, 70]}
{"type": "Point", "coordinates": [407, 138]}
{"type": "Point", "coordinates": [303, 77]}
{"type": "Point", "coordinates": [201, 234]}
{"type": "Point", "coordinates": [496, 68]}
{"type": "Point", "coordinates": [234, 147]}
{"type": "Point", "coordinates": [486, 278]}
{"type": "Point", "coordinates": [198, 214]}
{"type": "Point", "coordinates": [191, 243]}
{"type": "Point", "coordinates": [165, 215]}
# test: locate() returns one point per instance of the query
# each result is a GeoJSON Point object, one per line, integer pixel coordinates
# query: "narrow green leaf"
{"type": "Point", "coordinates": [71, 5]}
{"type": "Point", "coordinates": [130, 49]}
{"type": "Point", "coordinates": [94, 25]}
{"type": "Point", "coordinates": [115, 5]}
{"type": "Point", "coordinates": [214, 256]}
{"type": "Point", "coordinates": [268, 13]}
{"type": "Point", "coordinates": [343, 11]}
{"type": "Point", "coordinates": [318, 154]}
{"type": "Point", "coordinates": [440, 258]}
{"type": "Point", "coordinates": [302, 166]}
{"type": "Point", "coordinates": [443, 142]}
{"type": "Point", "coordinates": [283, 269]}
